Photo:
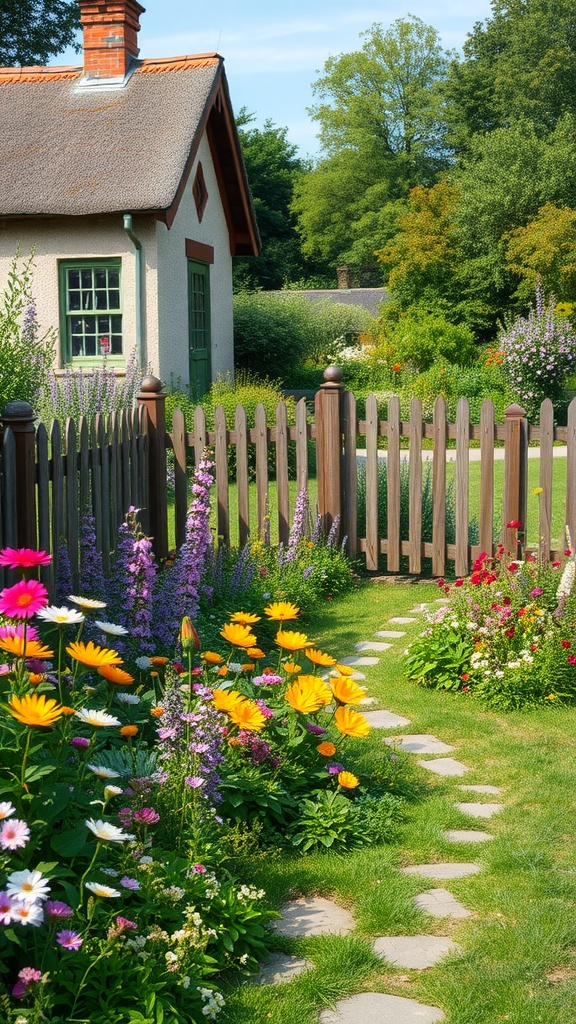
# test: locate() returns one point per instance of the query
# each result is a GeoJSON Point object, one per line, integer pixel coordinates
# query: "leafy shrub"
{"type": "Point", "coordinates": [327, 822]}
{"type": "Point", "coordinates": [271, 332]}
{"type": "Point", "coordinates": [26, 352]}
{"type": "Point", "coordinates": [332, 326]}
{"type": "Point", "coordinates": [421, 337]}
{"type": "Point", "coordinates": [476, 383]}
{"type": "Point", "coordinates": [540, 351]}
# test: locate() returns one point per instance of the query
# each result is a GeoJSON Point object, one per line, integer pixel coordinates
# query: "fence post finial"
{"type": "Point", "coordinates": [329, 447]}
{"type": "Point", "coordinates": [153, 399]}
{"type": "Point", "coordinates": [19, 416]}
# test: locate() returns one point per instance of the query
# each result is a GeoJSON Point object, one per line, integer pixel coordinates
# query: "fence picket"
{"type": "Point", "coordinates": [84, 465]}
{"type": "Point", "coordinates": [571, 471]}
{"type": "Point", "coordinates": [11, 490]}
{"type": "Point", "coordinates": [462, 485]}
{"type": "Point", "coordinates": [114, 474]}
{"type": "Point", "coordinates": [486, 532]}
{"type": "Point", "coordinates": [43, 503]}
{"type": "Point", "coordinates": [200, 433]}
{"type": "Point", "coordinates": [546, 462]}
{"type": "Point", "coordinates": [393, 485]}
{"type": "Point", "coordinates": [372, 540]}
{"type": "Point", "coordinates": [133, 430]}
{"type": "Point", "coordinates": [222, 484]}
{"type": "Point", "coordinates": [180, 481]}
{"type": "Point", "coordinates": [102, 480]}
{"type": "Point", "coordinates": [242, 474]}
{"type": "Point", "coordinates": [72, 499]}
{"type": "Point", "coordinates": [261, 432]}
{"type": "Point", "coordinates": [439, 489]}
{"type": "Point", "coordinates": [125, 462]}
{"type": "Point", "coordinates": [57, 494]}
{"type": "Point", "coordinates": [350, 474]}
{"type": "Point", "coordinates": [282, 473]}
{"type": "Point", "coordinates": [302, 445]}
{"type": "Point", "coordinates": [143, 474]}
{"type": "Point", "coordinates": [415, 496]}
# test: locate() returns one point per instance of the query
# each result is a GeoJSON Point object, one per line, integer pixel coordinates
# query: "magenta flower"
{"type": "Point", "coordinates": [147, 815]}
{"type": "Point", "coordinates": [23, 600]}
{"type": "Point", "coordinates": [536, 592]}
{"type": "Point", "coordinates": [123, 924]}
{"type": "Point", "coordinates": [316, 730]}
{"type": "Point", "coordinates": [6, 908]}
{"type": "Point", "coordinates": [14, 834]}
{"type": "Point", "coordinates": [199, 869]}
{"type": "Point", "coordinates": [194, 781]}
{"type": "Point", "coordinates": [56, 908]}
{"type": "Point", "coordinates": [335, 769]}
{"type": "Point", "coordinates": [80, 742]}
{"type": "Point", "coordinates": [25, 977]}
{"type": "Point", "coordinates": [12, 631]}
{"type": "Point", "coordinates": [69, 940]}
{"type": "Point", "coordinates": [23, 558]}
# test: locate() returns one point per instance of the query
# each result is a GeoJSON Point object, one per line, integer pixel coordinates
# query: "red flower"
{"type": "Point", "coordinates": [521, 612]}
{"type": "Point", "coordinates": [458, 583]}
{"type": "Point", "coordinates": [446, 589]}
{"type": "Point", "coordinates": [555, 565]}
{"type": "Point", "coordinates": [567, 552]}
{"type": "Point", "coordinates": [507, 601]}
{"type": "Point", "coordinates": [572, 659]}
{"type": "Point", "coordinates": [464, 677]}
{"type": "Point", "coordinates": [529, 557]}
{"type": "Point", "coordinates": [510, 632]}
{"type": "Point", "coordinates": [566, 643]}
{"type": "Point", "coordinates": [513, 567]}
{"type": "Point", "coordinates": [440, 581]}
{"type": "Point", "coordinates": [514, 524]}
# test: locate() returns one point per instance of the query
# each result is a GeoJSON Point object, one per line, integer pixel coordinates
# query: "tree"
{"type": "Point", "coordinates": [545, 251]}
{"type": "Point", "coordinates": [32, 31]}
{"type": "Point", "coordinates": [272, 166]}
{"type": "Point", "coordinates": [381, 131]}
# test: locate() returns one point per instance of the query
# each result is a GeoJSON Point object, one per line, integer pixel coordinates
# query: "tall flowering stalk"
{"type": "Point", "coordinates": [134, 575]}
{"type": "Point", "coordinates": [91, 568]}
{"type": "Point", "coordinates": [300, 525]}
{"type": "Point", "coordinates": [182, 585]}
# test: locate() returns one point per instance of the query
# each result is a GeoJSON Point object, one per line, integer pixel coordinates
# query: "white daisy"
{"type": "Point", "coordinates": [97, 718]}
{"type": "Point", "coordinates": [106, 831]}
{"type": "Point", "coordinates": [110, 791]}
{"type": "Point", "coordinates": [6, 809]}
{"type": "Point", "coordinates": [60, 616]}
{"type": "Point", "coordinates": [111, 628]}
{"type": "Point", "coordinates": [128, 698]}
{"type": "Point", "coordinates": [28, 913]}
{"type": "Point", "coordinates": [89, 603]}
{"type": "Point", "coordinates": [102, 890]}
{"type": "Point", "coordinates": [27, 886]}
{"type": "Point", "coordinates": [103, 772]}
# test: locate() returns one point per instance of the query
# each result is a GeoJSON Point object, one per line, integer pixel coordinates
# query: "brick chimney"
{"type": "Point", "coordinates": [344, 277]}
{"type": "Point", "coordinates": [110, 36]}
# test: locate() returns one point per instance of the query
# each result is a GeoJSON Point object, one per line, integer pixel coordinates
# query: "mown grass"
{"type": "Point", "coordinates": [517, 958]}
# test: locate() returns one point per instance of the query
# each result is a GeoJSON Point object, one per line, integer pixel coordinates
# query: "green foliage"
{"type": "Point", "coordinates": [270, 331]}
{"type": "Point", "coordinates": [333, 324]}
{"type": "Point", "coordinates": [543, 251]}
{"type": "Point", "coordinates": [326, 822]}
{"type": "Point", "coordinates": [32, 31]}
{"type": "Point", "coordinates": [379, 817]}
{"type": "Point", "coordinates": [26, 353]}
{"type": "Point", "coordinates": [422, 337]}
{"type": "Point", "coordinates": [483, 379]}
{"type": "Point", "coordinates": [439, 658]}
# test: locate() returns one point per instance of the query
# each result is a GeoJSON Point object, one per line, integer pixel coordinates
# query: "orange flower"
{"type": "Point", "coordinates": [345, 670]}
{"type": "Point", "coordinates": [238, 635]}
{"type": "Point", "coordinates": [116, 675]}
{"type": "Point", "coordinates": [346, 690]}
{"type": "Point", "coordinates": [92, 655]}
{"type": "Point", "coordinates": [223, 671]}
{"type": "Point", "coordinates": [158, 661]}
{"type": "Point", "coordinates": [327, 749]}
{"type": "Point", "coordinates": [129, 730]}
{"type": "Point", "coordinates": [245, 618]}
{"type": "Point", "coordinates": [35, 709]}
{"type": "Point", "coordinates": [281, 611]}
{"type": "Point", "coordinates": [248, 667]}
{"type": "Point", "coordinates": [292, 668]}
{"type": "Point", "coordinates": [31, 649]}
{"type": "Point", "coordinates": [212, 658]}
{"type": "Point", "coordinates": [307, 694]}
{"type": "Point", "coordinates": [255, 652]}
{"type": "Point", "coordinates": [157, 712]}
{"type": "Point", "coordinates": [319, 658]}
{"type": "Point", "coordinates": [34, 678]}
{"type": "Point", "coordinates": [348, 780]}
{"type": "Point", "coordinates": [226, 699]}
{"type": "Point", "coordinates": [247, 715]}
{"type": "Point", "coordinates": [291, 640]}
{"type": "Point", "coordinates": [350, 723]}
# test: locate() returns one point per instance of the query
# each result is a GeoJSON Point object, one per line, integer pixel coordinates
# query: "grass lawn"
{"type": "Point", "coordinates": [518, 950]}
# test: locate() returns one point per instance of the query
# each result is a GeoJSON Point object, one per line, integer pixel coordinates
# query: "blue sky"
{"type": "Point", "coordinates": [273, 52]}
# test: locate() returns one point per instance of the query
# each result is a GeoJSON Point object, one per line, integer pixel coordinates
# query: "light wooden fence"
{"type": "Point", "coordinates": [48, 478]}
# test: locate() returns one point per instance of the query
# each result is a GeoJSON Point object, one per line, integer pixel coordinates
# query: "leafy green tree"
{"type": "Point", "coordinates": [272, 166]}
{"type": "Point", "coordinates": [545, 251]}
{"type": "Point", "coordinates": [381, 130]}
{"type": "Point", "coordinates": [32, 31]}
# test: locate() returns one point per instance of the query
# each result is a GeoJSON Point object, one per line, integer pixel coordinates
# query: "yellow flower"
{"type": "Point", "coordinates": [247, 715]}
{"type": "Point", "coordinates": [238, 635]}
{"type": "Point", "coordinates": [290, 640]}
{"type": "Point", "coordinates": [92, 655]}
{"type": "Point", "coordinates": [345, 670]}
{"type": "Point", "coordinates": [226, 699]}
{"type": "Point", "coordinates": [327, 749]}
{"type": "Point", "coordinates": [350, 723]}
{"type": "Point", "coordinates": [281, 611]}
{"type": "Point", "coordinates": [306, 697]}
{"type": "Point", "coordinates": [551, 696]}
{"type": "Point", "coordinates": [35, 709]}
{"type": "Point", "coordinates": [319, 658]}
{"type": "Point", "coordinates": [31, 649]}
{"type": "Point", "coordinates": [255, 652]}
{"type": "Point", "coordinates": [212, 658]}
{"type": "Point", "coordinates": [245, 618]}
{"type": "Point", "coordinates": [347, 780]}
{"type": "Point", "coordinates": [346, 690]}
{"type": "Point", "coordinates": [116, 675]}
{"type": "Point", "coordinates": [538, 490]}
{"type": "Point", "coordinates": [292, 668]}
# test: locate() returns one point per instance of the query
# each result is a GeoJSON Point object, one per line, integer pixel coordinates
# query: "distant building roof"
{"type": "Point", "coordinates": [69, 147]}
{"type": "Point", "coordinates": [368, 298]}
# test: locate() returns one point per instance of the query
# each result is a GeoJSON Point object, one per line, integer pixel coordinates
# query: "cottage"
{"type": "Point", "coordinates": [126, 177]}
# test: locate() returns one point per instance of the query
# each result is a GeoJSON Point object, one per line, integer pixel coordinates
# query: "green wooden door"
{"type": "Point", "coordinates": [199, 327]}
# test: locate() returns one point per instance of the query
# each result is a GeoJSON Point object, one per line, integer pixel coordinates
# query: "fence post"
{"type": "Point", "coordinates": [20, 417]}
{"type": "Point", "coordinates": [328, 404]}
{"type": "Point", "coordinates": [154, 401]}
{"type": "Point", "coordinates": [515, 479]}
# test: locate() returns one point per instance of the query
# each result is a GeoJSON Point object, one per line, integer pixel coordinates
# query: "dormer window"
{"type": "Point", "coordinates": [200, 192]}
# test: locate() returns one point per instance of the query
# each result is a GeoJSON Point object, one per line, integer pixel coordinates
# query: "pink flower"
{"type": "Point", "coordinates": [23, 558]}
{"type": "Point", "coordinates": [23, 600]}
{"type": "Point", "coordinates": [147, 815]}
{"type": "Point", "coordinates": [69, 940]}
{"type": "Point", "coordinates": [56, 908]}
{"type": "Point", "coordinates": [14, 834]}
{"type": "Point", "coordinates": [123, 924]}
{"type": "Point", "coordinates": [12, 631]}
{"type": "Point", "coordinates": [6, 908]}
{"type": "Point", "coordinates": [199, 869]}
{"type": "Point", "coordinates": [80, 741]}
{"type": "Point", "coordinates": [536, 592]}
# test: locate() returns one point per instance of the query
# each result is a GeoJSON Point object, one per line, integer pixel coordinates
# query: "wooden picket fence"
{"type": "Point", "coordinates": [47, 478]}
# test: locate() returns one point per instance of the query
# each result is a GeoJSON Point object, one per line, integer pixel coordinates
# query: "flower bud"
{"type": "Point", "coordinates": [188, 636]}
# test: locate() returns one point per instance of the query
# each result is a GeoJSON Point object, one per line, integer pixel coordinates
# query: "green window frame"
{"type": "Point", "coordinates": [91, 311]}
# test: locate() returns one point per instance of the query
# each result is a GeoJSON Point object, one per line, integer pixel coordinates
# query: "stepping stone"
{"type": "Point", "coordinates": [420, 744]}
{"type": "Point", "coordinates": [376, 1008]}
{"type": "Point", "coordinates": [356, 659]}
{"type": "Point", "coordinates": [444, 871]}
{"type": "Point", "coordinates": [368, 701]}
{"type": "Point", "coordinates": [385, 719]}
{"type": "Point", "coordinates": [372, 645]}
{"type": "Point", "coordinates": [441, 903]}
{"type": "Point", "coordinates": [418, 608]}
{"type": "Point", "coordinates": [466, 835]}
{"type": "Point", "coordinates": [441, 600]}
{"type": "Point", "coordinates": [416, 952]}
{"type": "Point", "coordinates": [391, 634]}
{"type": "Point", "coordinates": [493, 790]}
{"type": "Point", "coordinates": [479, 810]}
{"type": "Point", "coordinates": [445, 766]}
{"type": "Point", "coordinates": [313, 915]}
{"type": "Point", "coordinates": [280, 968]}
{"type": "Point", "coordinates": [402, 620]}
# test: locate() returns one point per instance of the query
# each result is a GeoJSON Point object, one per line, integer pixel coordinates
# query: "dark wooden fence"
{"type": "Point", "coordinates": [48, 478]}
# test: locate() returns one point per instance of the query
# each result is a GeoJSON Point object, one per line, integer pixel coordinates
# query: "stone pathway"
{"type": "Point", "coordinates": [316, 916]}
